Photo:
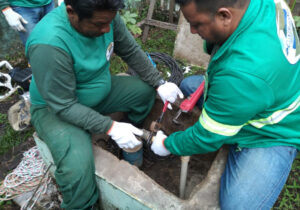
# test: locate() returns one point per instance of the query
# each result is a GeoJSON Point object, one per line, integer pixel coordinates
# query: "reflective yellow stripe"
{"type": "Point", "coordinates": [216, 127]}
{"type": "Point", "coordinates": [276, 116]}
{"type": "Point", "coordinates": [230, 130]}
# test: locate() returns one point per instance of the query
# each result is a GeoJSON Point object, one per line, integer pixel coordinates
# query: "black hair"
{"type": "Point", "coordinates": [211, 6]}
{"type": "Point", "coordinates": [86, 8]}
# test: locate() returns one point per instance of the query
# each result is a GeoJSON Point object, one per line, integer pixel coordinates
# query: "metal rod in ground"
{"type": "Point", "coordinates": [183, 174]}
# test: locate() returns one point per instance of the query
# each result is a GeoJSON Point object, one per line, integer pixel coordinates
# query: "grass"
{"type": "Point", "coordinates": [290, 194]}
{"type": "Point", "coordinates": [9, 137]}
{"type": "Point", "coordinates": [5, 205]}
{"type": "Point", "coordinates": [161, 41]}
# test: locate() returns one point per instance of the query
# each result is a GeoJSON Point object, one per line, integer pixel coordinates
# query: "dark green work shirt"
{"type": "Point", "coordinates": [23, 3]}
{"type": "Point", "coordinates": [71, 71]}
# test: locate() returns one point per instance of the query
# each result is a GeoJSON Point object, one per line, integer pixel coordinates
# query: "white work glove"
{"type": "Point", "coordinates": [123, 134]}
{"type": "Point", "coordinates": [59, 2]}
{"type": "Point", "coordinates": [14, 19]}
{"type": "Point", "coordinates": [169, 92]}
{"type": "Point", "coordinates": [158, 146]}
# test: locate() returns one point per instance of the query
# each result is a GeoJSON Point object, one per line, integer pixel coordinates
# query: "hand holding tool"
{"type": "Point", "coordinates": [158, 144]}
{"type": "Point", "coordinates": [158, 121]}
{"type": "Point", "coordinates": [124, 134]}
{"type": "Point", "coordinates": [169, 92]}
{"type": "Point", "coordinates": [163, 112]}
{"type": "Point", "coordinates": [188, 104]}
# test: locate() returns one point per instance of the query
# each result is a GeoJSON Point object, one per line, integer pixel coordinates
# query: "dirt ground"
{"type": "Point", "coordinates": [166, 170]}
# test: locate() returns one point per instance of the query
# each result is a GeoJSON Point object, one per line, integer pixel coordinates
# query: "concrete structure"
{"type": "Point", "coordinates": [189, 47]}
{"type": "Point", "coordinates": [124, 186]}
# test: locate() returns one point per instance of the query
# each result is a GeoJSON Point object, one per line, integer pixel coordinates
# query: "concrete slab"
{"type": "Point", "coordinates": [148, 193]}
{"type": "Point", "coordinates": [124, 186]}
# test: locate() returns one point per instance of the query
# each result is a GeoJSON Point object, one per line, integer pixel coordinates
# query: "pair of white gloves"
{"type": "Point", "coordinates": [124, 133]}
{"type": "Point", "coordinates": [15, 20]}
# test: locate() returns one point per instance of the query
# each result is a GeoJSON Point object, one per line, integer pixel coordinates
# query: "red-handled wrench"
{"type": "Point", "coordinates": [189, 103]}
{"type": "Point", "coordinates": [158, 120]}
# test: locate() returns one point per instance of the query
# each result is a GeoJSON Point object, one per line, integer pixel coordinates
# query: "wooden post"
{"type": "Point", "coordinates": [171, 10]}
{"type": "Point", "coordinates": [149, 16]}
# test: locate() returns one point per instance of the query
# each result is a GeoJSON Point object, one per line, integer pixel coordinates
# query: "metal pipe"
{"type": "Point", "coordinates": [183, 174]}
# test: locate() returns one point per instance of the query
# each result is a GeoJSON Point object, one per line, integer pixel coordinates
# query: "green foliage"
{"type": "Point", "coordinates": [129, 19]}
{"type": "Point", "coordinates": [117, 65]}
{"type": "Point", "coordinates": [290, 197]}
{"type": "Point", "coordinates": [131, 4]}
{"type": "Point", "coordinates": [160, 40]}
{"type": "Point", "coordinates": [5, 204]}
{"type": "Point", "coordinates": [3, 118]}
{"type": "Point", "coordinates": [297, 21]}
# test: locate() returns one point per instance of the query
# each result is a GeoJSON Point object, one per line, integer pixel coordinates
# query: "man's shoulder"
{"type": "Point", "coordinates": [51, 30]}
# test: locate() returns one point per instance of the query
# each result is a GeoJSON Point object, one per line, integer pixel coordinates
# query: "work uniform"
{"type": "Point", "coordinates": [72, 89]}
{"type": "Point", "coordinates": [253, 101]}
{"type": "Point", "coordinates": [31, 10]}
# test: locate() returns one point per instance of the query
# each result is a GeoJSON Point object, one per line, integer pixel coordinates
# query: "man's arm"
{"type": "Point", "coordinates": [3, 4]}
{"type": "Point", "coordinates": [232, 101]}
{"type": "Point", "coordinates": [127, 48]}
{"type": "Point", "coordinates": [55, 79]}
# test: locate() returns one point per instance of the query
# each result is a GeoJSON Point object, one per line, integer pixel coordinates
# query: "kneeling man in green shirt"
{"type": "Point", "coordinates": [72, 89]}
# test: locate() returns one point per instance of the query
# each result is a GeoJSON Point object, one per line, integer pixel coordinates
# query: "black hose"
{"type": "Point", "coordinates": [175, 70]}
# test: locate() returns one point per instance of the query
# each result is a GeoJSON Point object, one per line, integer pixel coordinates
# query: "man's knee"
{"type": "Point", "coordinates": [146, 91]}
{"type": "Point", "coordinates": [190, 84]}
{"type": "Point", "coordinates": [76, 165]}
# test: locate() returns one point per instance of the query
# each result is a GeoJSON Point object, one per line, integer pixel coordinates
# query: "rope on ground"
{"type": "Point", "coordinates": [30, 174]}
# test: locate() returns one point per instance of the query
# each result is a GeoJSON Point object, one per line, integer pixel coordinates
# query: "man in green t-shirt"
{"type": "Point", "coordinates": [72, 90]}
{"type": "Point", "coordinates": [23, 15]}
{"type": "Point", "coordinates": [252, 101]}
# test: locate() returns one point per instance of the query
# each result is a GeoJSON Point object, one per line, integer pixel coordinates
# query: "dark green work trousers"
{"type": "Point", "coordinates": [71, 146]}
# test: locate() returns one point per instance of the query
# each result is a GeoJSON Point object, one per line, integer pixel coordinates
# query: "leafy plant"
{"type": "Point", "coordinates": [129, 19]}
{"type": "Point", "coordinates": [297, 21]}
{"type": "Point", "coordinates": [130, 4]}
{"type": "Point", "coordinates": [5, 204]}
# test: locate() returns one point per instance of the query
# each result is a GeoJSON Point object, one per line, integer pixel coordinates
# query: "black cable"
{"type": "Point", "coordinates": [175, 70]}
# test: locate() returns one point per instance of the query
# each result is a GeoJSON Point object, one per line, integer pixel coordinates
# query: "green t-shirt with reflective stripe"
{"type": "Point", "coordinates": [23, 3]}
{"type": "Point", "coordinates": [253, 98]}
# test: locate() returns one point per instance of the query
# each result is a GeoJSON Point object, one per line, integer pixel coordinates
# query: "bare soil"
{"type": "Point", "coordinates": [166, 170]}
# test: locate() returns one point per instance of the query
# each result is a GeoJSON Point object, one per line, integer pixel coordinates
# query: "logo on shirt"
{"type": "Point", "coordinates": [109, 51]}
{"type": "Point", "coordinates": [287, 32]}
